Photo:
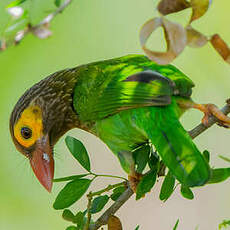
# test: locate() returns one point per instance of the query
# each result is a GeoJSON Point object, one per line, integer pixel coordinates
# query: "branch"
{"type": "Point", "coordinates": [40, 30]}
{"type": "Point", "coordinates": [103, 219]}
{"type": "Point", "coordinates": [211, 121]}
{"type": "Point", "coordinates": [51, 16]}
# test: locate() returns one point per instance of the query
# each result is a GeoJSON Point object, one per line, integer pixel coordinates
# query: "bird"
{"type": "Point", "coordinates": [126, 102]}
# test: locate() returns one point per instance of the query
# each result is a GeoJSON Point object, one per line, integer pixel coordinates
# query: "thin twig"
{"type": "Point", "coordinates": [111, 176]}
{"type": "Point", "coordinates": [90, 197]}
{"type": "Point", "coordinates": [103, 219]}
{"type": "Point", "coordinates": [51, 16]}
{"type": "Point", "coordinates": [40, 30]}
{"type": "Point", "coordinates": [108, 188]}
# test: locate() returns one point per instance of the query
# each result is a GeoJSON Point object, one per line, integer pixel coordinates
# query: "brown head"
{"type": "Point", "coordinates": [40, 117]}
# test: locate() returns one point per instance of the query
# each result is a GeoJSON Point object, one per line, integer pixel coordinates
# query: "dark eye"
{"type": "Point", "coordinates": [26, 132]}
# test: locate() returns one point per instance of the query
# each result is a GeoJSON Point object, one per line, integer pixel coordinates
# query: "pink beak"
{"type": "Point", "coordinates": [42, 163]}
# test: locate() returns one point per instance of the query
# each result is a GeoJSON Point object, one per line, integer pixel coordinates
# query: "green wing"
{"type": "Point", "coordinates": [105, 88]}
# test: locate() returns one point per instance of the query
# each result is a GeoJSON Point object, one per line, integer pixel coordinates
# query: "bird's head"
{"type": "Point", "coordinates": [40, 117]}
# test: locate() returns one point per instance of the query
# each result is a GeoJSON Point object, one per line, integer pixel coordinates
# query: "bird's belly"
{"type": "Point", "coordinates": [122, 130]}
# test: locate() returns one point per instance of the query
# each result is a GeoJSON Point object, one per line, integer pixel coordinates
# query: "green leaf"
{"type": "Point", "coordinates": [176, 225]}
{"type": "Point", "coordinates": [57, 3]}
{"type": "Point", "coordinates": [219, 175]}
{"type": "Point", "coordinates": [68, 215]}
{"type": "Point", "coordinates": [99, 203]}
{"type": "Point", "coordinates": [186, 192]}
{"type": "Point", "coordinates": [72, 192]}
{"type": "Point", "coordinates": [206, 155]}
{"type": "Point", "coordinates": [161, 168]}
{"type": "Point", "coordinates": [224, 158]}
{"type": "Point", "coordinates": [117, 192]}
{"type": "Point", "coordinates": [224, 224]}
{"type": "Point", "coordinates": [137, 227]}
{"type": "Point", "coordinates": [78, 151]}
{"type": "Point", "coordinates": [80, 219]}
{"type": "Point", "coordinates": [15, 3]}
{"type": "Point", "coordinates": [153, 160]}
{"type": "Point", "coordinates": [145, 184]}
{"type": "Point", "coordinates": [167, 186]}
{"type": "Point", "coordinates": [70, 178]}
{"type": "Point", "coordinates": [71, 228]}
{"type": "Point", "coordinates": [141, 156]}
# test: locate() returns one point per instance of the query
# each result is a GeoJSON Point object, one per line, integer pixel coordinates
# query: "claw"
{"type": "Point", "coordinates": [212, 110]}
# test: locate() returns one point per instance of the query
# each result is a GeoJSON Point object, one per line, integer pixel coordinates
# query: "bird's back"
{"type": "Point", "coordinates": [113, 83]}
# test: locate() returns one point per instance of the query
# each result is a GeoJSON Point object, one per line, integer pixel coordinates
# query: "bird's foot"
{"type": "Point", "coordinates": [134, 179]}
{"type": "Point", "coordinates": [213, 110]}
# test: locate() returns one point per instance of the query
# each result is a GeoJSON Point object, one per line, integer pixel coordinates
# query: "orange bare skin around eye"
{"type": "Point", "coordinates": [31, 117]}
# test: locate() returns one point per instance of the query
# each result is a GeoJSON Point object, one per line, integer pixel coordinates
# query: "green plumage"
{"type": "Point", "coordinates": [127, 102]}
{"type": "Point", "coordinates": [130, 101]}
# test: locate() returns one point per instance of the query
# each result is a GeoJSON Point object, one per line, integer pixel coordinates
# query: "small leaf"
{"type": "Point", "coordinates": [224, 224]}
{"type": "Point", "coordinates": [221, 47]}
{"type": "Point", "coordinates": [72, 192]}
{"type": "Point", "coordinates": [70, 178]}
{"type": "Point", "coordinates": [161, 169]}
{"type": "Point", "coordinates": [42, 32]}
{"type": "Point", "coordinates": [153, 161]}
{"type": "Point", "coordinates": [168, 6]}
{"type": "Point", "coordinates": [224, 158]}
{"type": "Point", "coordinates": [175, 36]}
{"type": "Point", "coordinates": [71, 228]}
{"type": "Point", "coordinates": [78, 151]}
{"type": "Point", "coordinates": [114, 223]}
{"type": "Point", "coordinates": [21, 23]}
{"type": "Point", "coordinates": [16, 11]}
{"type": "Point", "coordinates": [137, 228]}
{"type": "Point", "coordinates": [195, 39]}
{"type": "Point", "coordinates": [219, 175]}
{"type": "Point", "coordinates": [186, 192]}
{"type": "Point", "coordinates": [80, 219]}
{"type": "Point", "coordinates": [68, 215]}
{"type": "Point", "coordinates": [19, 36]}
{"type": "Point", "coordinates": [199, 8]}
{"type": "Point", "coordinates": [99, 203]}
{"type": "Point", "coordinates": [206, 155]}
{"type": "Point", "coordinates": [57, 3]}
{"type": "Point", "coordinates": [117, 193]}
{"type": "Point", "coordinates": [141, 156]}
{"type": "Point", "coordinates": [15, 3]}
{"type": "Point", "coordinates": [176, 225]}
{"type": "Point", "coordinates": [145, 184]}
{"type": "Point", "coordinates": [167, 186]}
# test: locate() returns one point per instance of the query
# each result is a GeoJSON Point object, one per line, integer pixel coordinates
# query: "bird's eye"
{"type": "Point", "coordinates": [26, 132]}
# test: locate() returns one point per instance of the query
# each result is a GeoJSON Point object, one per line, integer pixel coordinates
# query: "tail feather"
{"type": "Point", "coordinates": [176, 147]}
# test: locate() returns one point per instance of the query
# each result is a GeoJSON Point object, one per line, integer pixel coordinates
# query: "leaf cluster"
{"type": "Point", "coordinates": [78, 185]}
{"type": "Point", "coordinates": [145, 159]}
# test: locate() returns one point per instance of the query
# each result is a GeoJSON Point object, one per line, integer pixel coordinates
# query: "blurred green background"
{"type": "Point", "coordinates": [90, 30]}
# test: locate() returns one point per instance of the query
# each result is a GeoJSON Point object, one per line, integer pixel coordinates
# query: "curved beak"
{"type": "Point", "coordinates": [42, 162]}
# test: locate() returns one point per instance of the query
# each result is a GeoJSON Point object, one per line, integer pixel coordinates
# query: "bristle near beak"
{"type": "Point", "coordinates": [42, 163]}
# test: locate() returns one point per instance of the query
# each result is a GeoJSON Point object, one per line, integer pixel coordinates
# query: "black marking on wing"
{"type": "Point", "coordinates": [169, 143]}
{"type": "Point", "coordinates": [147, 76]}
{"type": "Point", "coordinates": [172, 149]}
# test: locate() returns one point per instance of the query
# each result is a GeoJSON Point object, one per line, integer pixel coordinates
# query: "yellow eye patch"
{"type": "Point", "coordinates": [31, 118]}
